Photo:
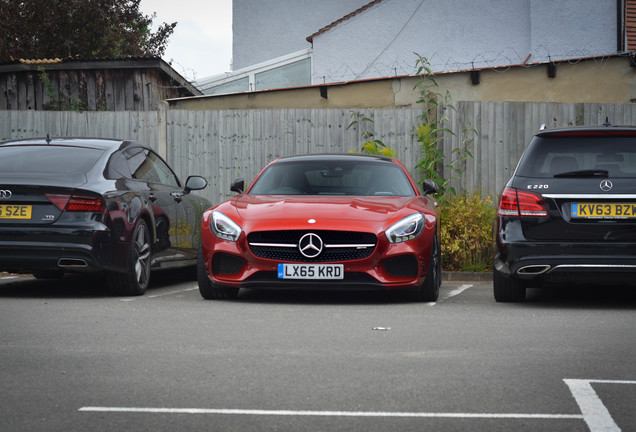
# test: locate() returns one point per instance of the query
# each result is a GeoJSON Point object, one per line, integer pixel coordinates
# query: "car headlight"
{"type": "Point", "coordinates": [223, 227]}
{"type": "Point", "coordinates": [406, 229]}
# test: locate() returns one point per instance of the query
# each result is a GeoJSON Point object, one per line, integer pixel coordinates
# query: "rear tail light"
{"type": "Point", "coordinates": [77, 203]}
{"type": "Point", "coordinates": [514, 202]}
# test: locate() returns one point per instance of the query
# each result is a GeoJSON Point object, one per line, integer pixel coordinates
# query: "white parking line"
{"type": "Point", "coordinates": [593, 411]}
{"type": "Point", "coordinates": [172, 292]}
{"type": "Point", "coordinates": [328, 413]}
{"type": "Point", "coordinates": [457, 291]}
{"type": "Point", "coordinates": [129, 299]}
{"type": "Point", "coordinates": [451, 293]}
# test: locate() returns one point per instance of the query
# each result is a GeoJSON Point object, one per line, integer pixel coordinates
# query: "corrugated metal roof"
{"type": "Point", "coordinates": [76, 60]}
{"type": "Point", "coordinates": [39, 61]}
{"type": "Point", "coordinates": [310, 39]}
{"type": "Point", "coordinates": [630, 24]}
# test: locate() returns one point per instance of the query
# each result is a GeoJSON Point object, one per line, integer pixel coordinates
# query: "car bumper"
{"type": "Point", "coordinates": [549, 262]}
{"type": "Point", "coordinates": [28, 250]}
{"type": "Point", "coordinates": [389, 267]}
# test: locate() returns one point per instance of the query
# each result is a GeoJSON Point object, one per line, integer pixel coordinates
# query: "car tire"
{"type": "Point", "coordinates": [208, 290]}
{"type": "Point", "coordinates": [135, 280]}
{"type": "Point", "coordinates": [429, 291]}
{"type": "Point", "coordinates": [507, 290]}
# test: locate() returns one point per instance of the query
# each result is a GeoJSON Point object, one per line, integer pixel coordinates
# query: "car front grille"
{"type": "Point", "coordinates": [336, 245]}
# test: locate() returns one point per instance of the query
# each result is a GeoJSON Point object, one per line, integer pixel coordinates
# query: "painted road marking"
{"type": "Point", "coordinates": [129, 299]}
{"type": "Point", "coordinates": [327, 413]}
{"type": "Point", "coordinates": [457, 291]}
{"type": "Point", "coordinates": [451, 294]}
{"type": "Point", "coordinates": [172, 292]}
{"type": "Point", "coordinates": [448, 295]}
{"type": "Point", "coordinates": [593, 411]}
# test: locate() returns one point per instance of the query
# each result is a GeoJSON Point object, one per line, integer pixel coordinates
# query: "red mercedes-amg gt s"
{"type": "Point", "coordinates": [343, 222]}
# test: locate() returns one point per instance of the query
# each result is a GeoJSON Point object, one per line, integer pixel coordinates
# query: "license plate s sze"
{"type": "Point", "coordinates": [13, 211]}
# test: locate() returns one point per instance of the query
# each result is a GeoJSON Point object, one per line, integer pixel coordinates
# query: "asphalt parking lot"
{"type": "Point", "coordinates": [73, 358]}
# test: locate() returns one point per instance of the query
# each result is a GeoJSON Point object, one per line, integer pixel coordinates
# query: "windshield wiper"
{"type": "Point", "coordinates": [584, 173]}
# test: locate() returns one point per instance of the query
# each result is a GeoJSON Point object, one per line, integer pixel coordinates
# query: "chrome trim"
{"type": "Point", "coordinates": [630, 266]}
{"type": "Point", "coordinates": [359, 246]}
{"type": "Point", "coordinates": [274, 245]}
{"type": "Point", "coordinates": [286, 245]}
{"type": "Point", "coordinates": [72, 263]}
{"type": "Point", "coordinates": [591, 196]}
{"type": "Point", "coordinates": [525, 270]}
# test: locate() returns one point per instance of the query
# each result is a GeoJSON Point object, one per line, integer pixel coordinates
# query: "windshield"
{"type": "Point", "coordinates": [47, 159]}
{"type": "Point", "coordinates": [551, 157]}
{"type": "Point", "coordinates": [333, 177]}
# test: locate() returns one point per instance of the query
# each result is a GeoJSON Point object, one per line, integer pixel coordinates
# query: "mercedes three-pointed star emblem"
{"type": "Point", "coordinates": [606, 185]}
{"type": "Point", "coordinates": [310, 245]}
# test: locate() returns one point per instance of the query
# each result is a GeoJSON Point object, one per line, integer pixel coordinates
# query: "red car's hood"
{"type": "Point", "coordinates": [320, 208]}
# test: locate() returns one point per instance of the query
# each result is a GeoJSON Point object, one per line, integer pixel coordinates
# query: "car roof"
{"type": "Point", "coordinates": [605, 130]}
{"type": "Point", "coordinates": [335, 157]}
{"type": "Point", "coordinates": [97, 143]}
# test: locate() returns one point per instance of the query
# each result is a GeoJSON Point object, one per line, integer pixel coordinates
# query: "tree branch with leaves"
{"type": "Point", "coordinates": [86, 29]}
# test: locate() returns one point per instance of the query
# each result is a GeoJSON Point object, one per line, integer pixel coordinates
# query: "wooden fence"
{"type": "Point", "coordinates": [224, 144]}
{"type": "Point", "coordinates": [505, 128]}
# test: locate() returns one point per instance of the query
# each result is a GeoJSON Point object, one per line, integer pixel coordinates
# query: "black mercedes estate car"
{"type": "Point", "coordinates": [568, 214]}
{"type": "Point", "coordinates": [96, 205]}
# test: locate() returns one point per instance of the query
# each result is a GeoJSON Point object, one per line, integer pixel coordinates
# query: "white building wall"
{"type": "Point", "coordinates": [573, 28]}
{"type": "Point", "coordinates": [461, 34]}
{"type": "Point", "coordinates": [266, 29]}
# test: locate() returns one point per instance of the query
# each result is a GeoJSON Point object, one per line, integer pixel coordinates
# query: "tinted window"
{"type": "Point", "coordinates": [333, 178]}
{"type": "Point", "coordinates": [47, 159]}
{"type": "Point", "coordinates": [166, 176]}
{"type": "Point", "coordinates": [550, 156]}
{"type": "Point", "coordinates": [118, 167]}
{"type": "Point", "coordinates": [147, 166]}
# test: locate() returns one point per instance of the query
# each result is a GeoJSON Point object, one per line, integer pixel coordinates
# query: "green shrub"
{"type": "Point", "coordinates": [466, 232]}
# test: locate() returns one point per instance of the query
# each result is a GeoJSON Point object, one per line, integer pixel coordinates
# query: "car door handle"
{"type": "Point", "coordinates": [178, 196]}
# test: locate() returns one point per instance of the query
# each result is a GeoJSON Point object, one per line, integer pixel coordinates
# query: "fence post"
{"type": "Point", "coordinates": [162, 129]}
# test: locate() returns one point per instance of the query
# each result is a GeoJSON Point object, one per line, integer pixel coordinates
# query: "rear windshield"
{"type": "Point", "coordinates": [572, 156]}
{"type": "Point", "coordinates": [333, 178]}
{"type": "Point", "coordinates": [47, 159]}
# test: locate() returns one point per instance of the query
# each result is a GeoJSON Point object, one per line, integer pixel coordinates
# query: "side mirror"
{"type": "Point", "coordinates": [195, 183]}
{"type": "Point", "coordinates": [238, 185]}
{"type": "Point", "coordinates": [429, 187]}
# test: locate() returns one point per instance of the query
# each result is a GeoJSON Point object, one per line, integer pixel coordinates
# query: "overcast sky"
{"type": "Point", "coordinates": [201, 45]}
